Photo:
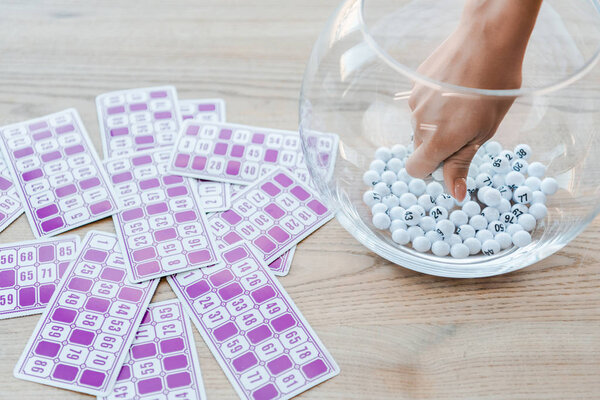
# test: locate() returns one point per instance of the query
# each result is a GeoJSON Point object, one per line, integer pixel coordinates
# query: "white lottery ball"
{"type": "Point", "coordinates": [445, 200]}
{"type": "Point", "coordinates": [533, 183]}
{"type": "Point", "coordinates": [496, 227]}
{"type": "Point", "coordinates": [513, 228]}
{"type": "Point", "coordinates": [473, 170]}
{"type": "Point", "coordinates": [473, 245]}
{"type": "Point", "coordinates": [486, 168]}
{"type": "Point", "coordinates": [444, 228]}
{"type": "Point", "coordinates": [492, 147]}
{"type": "Point", "coordinates": [421, 244]}
{"type": "Point", "coordinates": [427, 223]}
{"type": "Point", "coordinates": [523, 151]}
{"type": "Point", "coordinates": [484, 235]}
{"type": "Point", "coordinates": [490, 214]}
{"type": "Point", "coordinates": [407, 200]}
{"type": "Point", "coordinates": [397, 224]}
{"type": "Point", "coordinates": [471, 186]}
{"type": "Point", "coordinates": [538, 197]}
{"type": "Point", "coordinates": [504, 239]}
{"type": "Point", "coordinates": [434, 189]}
{"type": "Point", "coordinates": [505, 192]}
{"type": "Point", "coordinates": [418, 210]}
{"type": "Point", "coordinates": [500, 165]}
{"type": "Point", "coordinates": [521, 238]}
{"type": "Point", "coordinates": [492, 197]}
{"type": "Point", "coordinates": [527, 221]}
{"type": "Point", "coordinates": [390, 200]}
{"type": "Point", "coordinates": [398, 151]}
{"type": "Point", "coordinates": [471, 208]}
{"type": "Point", "coordinates": [549, 186]}
{"type": "Point", "coordinates": [411, 218]}
{"type": "Point", "coordinates": [466, 231]}
{"type": "Point", "coordinates": [381, 221]}
{"type": "Point", "coordinates": [459, 250]}
{"type": "Point", "coordinates": [379, 208]}
{"type": "Point", "coordinates": [498, 180]}
{"type": "Point", "coordinates": [417, 187]}
{"type": "Point", "coordinates": [508, 218]}
{"type": "Point", "coordinates": [514, 179]}
{"type": "Point", "coordinates": [483, 179]}
{"type": "Point", "coordinates": [438, 174]}
{"type": "Point", "coordinates": [426, 201]}
{"type": "Point", "coordinates": [404, 176]}
{"type": "Point", "coordinates": [433, 236]}
{"type": "Point", "coordinates": [415, 232]}
{"type": "Point", "coordinates": [458, 217]}
{"type": "Point", "coordinates": [389, 177]}
{"type": "Point", "coordinates": [401, 236]}
{"type": "Point", "coordinates": [504, 206]}
{"type": "Point", "coordinates": [377, 166]}
{"type": "Point", "coordinates": [371, 177]}
{"type": "Point", "coordinates": [370, 198]}
{"type": "Point", "coordinates": [490, 247]}
{"type": "Point", "coordinates": [478, 222]}
{"type": "Point", "coordinates": [453, 239]}
{"type": "Point", "coordinates": [520, 166]}
{"type": "Point", "coordinates": [440, 248]}
{"type": "Point", "coordinates": [509, 155]}
{"type": "Point", "coordinates": [382, 189]}
{"type": "Point", "coordinates": [383, 154]}
{"type": "Point", "coordinates": [396, 213]}
{"type": "Point", "coordinates": [519, 209]}
{"type": "Point", "coordinates": [395, 165]}
{"type": "Point", "coordinates": [522, 195]}
{"type": "Point", "coordinates": [536, 169]}
{"type": "Point", "coordinates": [481, 192]}
{"type": "Point", "coordinates": [399, 188]}
{"type": "Point", "coordinates": [438, 213]}
{"type": "Point", "coordinates": [538, 210]}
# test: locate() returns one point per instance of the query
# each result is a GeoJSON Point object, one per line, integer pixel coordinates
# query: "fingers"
{"type": "Point", "coordinates": [435, 148]}
{"type": "Point", "coordinates": [456, 169]}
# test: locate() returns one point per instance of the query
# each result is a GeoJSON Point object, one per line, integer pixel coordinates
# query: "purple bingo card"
{"type": "Point", "coordinates": [253, 328]}
{"type": "Point", "coordinates": [30, 271]}
{"type": "Point", "coordinates": [207, 110]}
{"type": "Point", "coordinates": [10, 203]}
{"type": "Point", "coordinates": [161, 226]}
{"type": "Point", "coordinates": [57, 173]}
{"type": "Point", "coordinates": [162, 362]}
{"type": "Point", "coordinates": [274, 214]}
{"type": "Point", "coordinates": [138, 119]}
{"type": "Point", "coordinates": [214, 196]}
{"type": "Point", "coordinates": [84, 334]}
{"type": "Point", "coordinates": [241, 154]}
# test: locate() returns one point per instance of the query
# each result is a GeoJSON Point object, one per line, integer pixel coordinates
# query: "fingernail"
{"type": "Point", "coordinates": [460, 189]}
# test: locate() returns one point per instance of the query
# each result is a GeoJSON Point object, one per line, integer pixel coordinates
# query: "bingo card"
{"type": "Point", "coordinates": [214, 196]}
{"type": "Point", "coordinates": [10, 203]}
{"type": "Point", "coordinates": [207, 110]}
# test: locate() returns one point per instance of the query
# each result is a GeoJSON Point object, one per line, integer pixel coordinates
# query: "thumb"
{"type": "Point", "coordinates": [456, 169]}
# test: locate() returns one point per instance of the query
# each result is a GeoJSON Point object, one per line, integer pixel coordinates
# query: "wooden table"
{"type": "Point", "coordinates": [396, 334]}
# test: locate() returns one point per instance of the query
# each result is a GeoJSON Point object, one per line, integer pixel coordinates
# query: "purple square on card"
{"type": "Point", "coordinates": [278, 234]}
{"type": "Point", "coordinates": [177, 191]}
{"type": "Point", "coordinates": [192, 130]}
{"type": "Point", "coordinates": [31, 175]}
{"type": "Point", "coordinates": [265, 244]}
{"type": "Point", "coordinates": [221, 148]}
{"type": "Point", "coordinates": [65, 315]}
{"type": "Point", "coordinates": [149, 183]}
{"type": "Point", "coordinates": [125, 373]}
{"type": "Point", "coordinates": [221, 278]}
{"type": "Point", "coordinates": [83, 337]}
{"type": "Point", "coordinates": [165, 234]}
{"type": "Point", "coordinates": [95, 255]}
{"type": "Point", "coordinates": [206, 107]}
{"type": "Point", "coordinates": [237, 150]}
{"type": "Point", "coordinates": [267, 392]}
{"type": "Point", "coordinates": [97, 304]}
{"type": "Point", "coordinates": [65, 372]}
{"type": "Point", "coordinates": [146, 318]}
{"type": "Point", "coordinates": [317, 207]}
{"type": "Point", "coordinates": [138, 107]}
{"type": "Point", "coordinates": [234, 255]}
{"type": "Point", "coordinates": [157, 208]}
{"type": "Point", "coordinates": [263, 294]}
{"type": "Point", "coordinates": [141, 160]}
{"type": "Point", "coordinates": [89, 183]}
{"type": "Point", "coordinates": [158, 94]}
{"type": "Point", "coordinates": [143, 350]}
{"type": "Point", "coordinates": [225, 331]}
{"type": "Point", "coordinates": [182, 160]}
{"type": "Point", "coordinates": [197, 289]}
{"type": "Point", "coordinates": [171, 345]}
{"type": "Point", "coordinates": [65, 129]}
{"type": "Point", "coordinates": [112, 274]}
{"type": "Point", "coordinates": [300, 193]}
{"type": "Point", "coordinates": [225, 134]}
{"type": "Point", "coordinates": [47, 349]}
{"type": "Point", "coordinates": [175, 362]}
{"type": "Point", "coordinates": [233, 168]}
{"type": "Point", "coordinates": [279, 365]}
{"type": "Point", "coordinates": [115, 110]}
{"type": "Point", "coordinates": [92, 378]}
{"type": "Point", "coordinates": [130, 215]}
{"type": "Point", "coordinates": [314, 369]}
{"type": "Point", "coordinates": [270, 189]}
{"type": "Point", "coordinates": [46, 292]}
{"type": "Point", "coordinates": [186, 216]}
{"type": "Point", "coordinates": [80, 284]}
{"type": "Point", "coordinates": [27, 296]}
{"type": "Point", "coordinates": [163, 115]}
{"type": "Point", "coordinates": [283, 180]}
{"type": "Point", "coordinates": [258, 138]}
{"type": "Point", "coordinates": [130, 294]}
{"type": "Point", "coordinates": [120, 131]}
{"type": "Point", "coordinates": [52, 224]}
{"type": "Point", "coordinates": [259, 334]}
{"type": "Point", "coordinates": [198, 257]}
{"type": "Point", "coordinates": [74, 150]}
{"type": "Point", "coordinates": [231, 217]}
{"type": "Point", "coordinates": [244, 362]}
{"type": "Point", "coordinates": [230, 291]}
{"type": "Point", "coordinates": [26, 151]}
{"type": "Point", "coordinates": [284, 322]}
{"type": "Point", "coordinates": [53, 155]}
{"type": "Point", "coordinates": [46, 253]}
{"type": "Point", "coordinates": [122, 177]}
{"type": "Point", "coordinates": [148, 268]}
{"type": "Point", "coordinates": [172, 179]}
{"type": "Point", "coordinates": [271, 155]}
{"type": "Point", "coordinates": [150, 385]}
{"type": "Point", "coordinates": [199, 163]}
{"type": "Point", "coordinates": [42, 135]}
{"type": "Point", "coordinates": [232, 238]}
{"type": "Point", "coordinates": [179, 379]}
{"type": "Point", "coordinates": [7, 278]}
{"type": "Point", "coordinates": [66, 190]}
{"type": "Point", "coordinates": [4, 183]}
{"type": "Point", "coordinates": [274, 211]}
{"type": "Point", "coordinates": [99, 208]}
{"type": "Point", "coordinates": [38, 125]}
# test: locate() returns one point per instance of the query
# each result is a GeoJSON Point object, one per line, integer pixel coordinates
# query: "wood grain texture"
{"type": "Point", "coordinates": [397, 334]}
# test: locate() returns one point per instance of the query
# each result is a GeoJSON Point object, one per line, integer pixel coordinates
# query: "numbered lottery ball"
{"type": "Point", "coordinates": [520, 166]}
{"type": "Point", "coordinates": [496, 227]}
{"type": "Point", "coordinates": [498, 180]}
{"type": "Point", "coordinates": [383, 154]}
{"type": "Point", "coordinates": [514, 179]}
{"type": "Point", "coordinates": [414, 232]}
{"type": "Point", "coordinates": [377, 166]}
{"type": "Point", "coordinates": [549, 186]}
{"type": "Point", "coordinates": [444, 228]}
{"type": "Point", "coordinates": [533, 183]}
{"type": "Point", "coordinates": [505, 192]}
{"type": "Point", "coordinates": [438, 213]}
{"type": "Point", "coordinates": [440, 248]}
{"type": "Point", "coordinates": [398, 151]}
{"type": "Point", "coordinates": [521, 238]}
{"type": "Point", "coordinates": [370, 198]}
{"type": "Point", "coordinates": [504, 240]}
{"type": "Point", "coordinates": [458, 217]}
{"type": "Point", "coordinates": [390, 200]}
{"type": "Point", "coordinates": [426, 201]}
{"type": "Point", "coordinates": [382, 189]}
{"type": "Point", "coordinates": [397, 224]}
{"type": "Point", "coordinates": [379, 208]}
{"type": "Point", "coordinates": [407, 200]}
{"type": "Point", "coordinates": [508, 155]}
{"type": "Point", "coordinates": [522, 195]}
{"type": "Point", "coordinates": [523, 151]}
{"type": "Point", "coordinates": [484, 235]}
{"type": "Point", "coordinates": [492, 197]}
{"type": "Point", "coordinates": [471, 208]}
{"type": "Point", "coordinates": [465, 231]}
{"type": "Point", "coordinates": [371, 178]}
{"type": "Point", "coordinates": [401, 236]}
{"type": "Point", "coordinates": [483, 179]}
{"type": "Point", "coordinates": [519, 209]}
{"type": "Point", "coordinates": [504, 206]}
{"type": "Point", "coordinates": [433, 236]}
{"type": "Point", "coordinates": [473, 245]}
{"type": "Point", "coordinates": [427, 223]}
{"type": "Point", "coordinates": [445, 200]}
{"type": "Point", "coordinates": [500, 165]}
{"type": "Point", "coordinates": [508, 218]}
{"type": "Point", "coordinates": [478, 222]}
{"type": "Point", "coordinates": [471, 186]}
{"type": "Point", "coordinates": [396, 213]}
{"type": "Point", "coordinates": [389, 177]}
{"type": "Point", "coordinates": [411, 217]}
{"type": "Point", "coordinates": [381, 221]}
{"type": "Point", "coordinates": [492, 147]}
{"type": "Point", "coordinates": [434, 189]}
{"type": "Point", "coordinates": [399, 188]}
{"type": "Point", "coordinates": [395, 165]}
{"type": "Point", "coordinates": [490, 247]}
{"type": "Point", "coordinates": [459, 250]}
{"type": "Point", "coordinates": [490, 214]}
{"type": "Point", "coordinates": [536, 169]}
{"type": "Point", "coordinates": [421, 244]}
{"type": "Point", "coordinates": [527, 221]}
{"type": "Point", "coordinates": [538, 210]}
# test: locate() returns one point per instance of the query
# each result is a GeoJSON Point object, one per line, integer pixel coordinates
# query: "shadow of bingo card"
{"type": "Point", "coordinates": [161, 225]}
{"type": "Point", "coordinates": [30, 271]}
{"type": "Point", "coordinates": [57, 173]}
{"type": "Point", "coordinates": [10, 203]}
{"type": "Point", "coordinates": [253, 328]}
{"type": "Point", "coordinates": [162, 362]}
{"type": "Point", "coordinates": [85, 332]}
{"type": "Point", "coordinates": [138, 119]}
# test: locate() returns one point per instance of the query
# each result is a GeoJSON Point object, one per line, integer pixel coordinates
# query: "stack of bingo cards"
{"type": "Point", "coordinates": [216, 208]}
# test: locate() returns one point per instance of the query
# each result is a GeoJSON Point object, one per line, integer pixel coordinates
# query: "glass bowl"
{"type": "Point", "coordinates": [357, 81]}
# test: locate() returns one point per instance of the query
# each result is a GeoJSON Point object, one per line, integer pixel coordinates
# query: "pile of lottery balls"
{"type": "Point", "coordinates": [506, 196]}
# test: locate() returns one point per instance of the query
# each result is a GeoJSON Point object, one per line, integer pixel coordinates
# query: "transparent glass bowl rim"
{"type": "Point", "coordinates": [443, 86]}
